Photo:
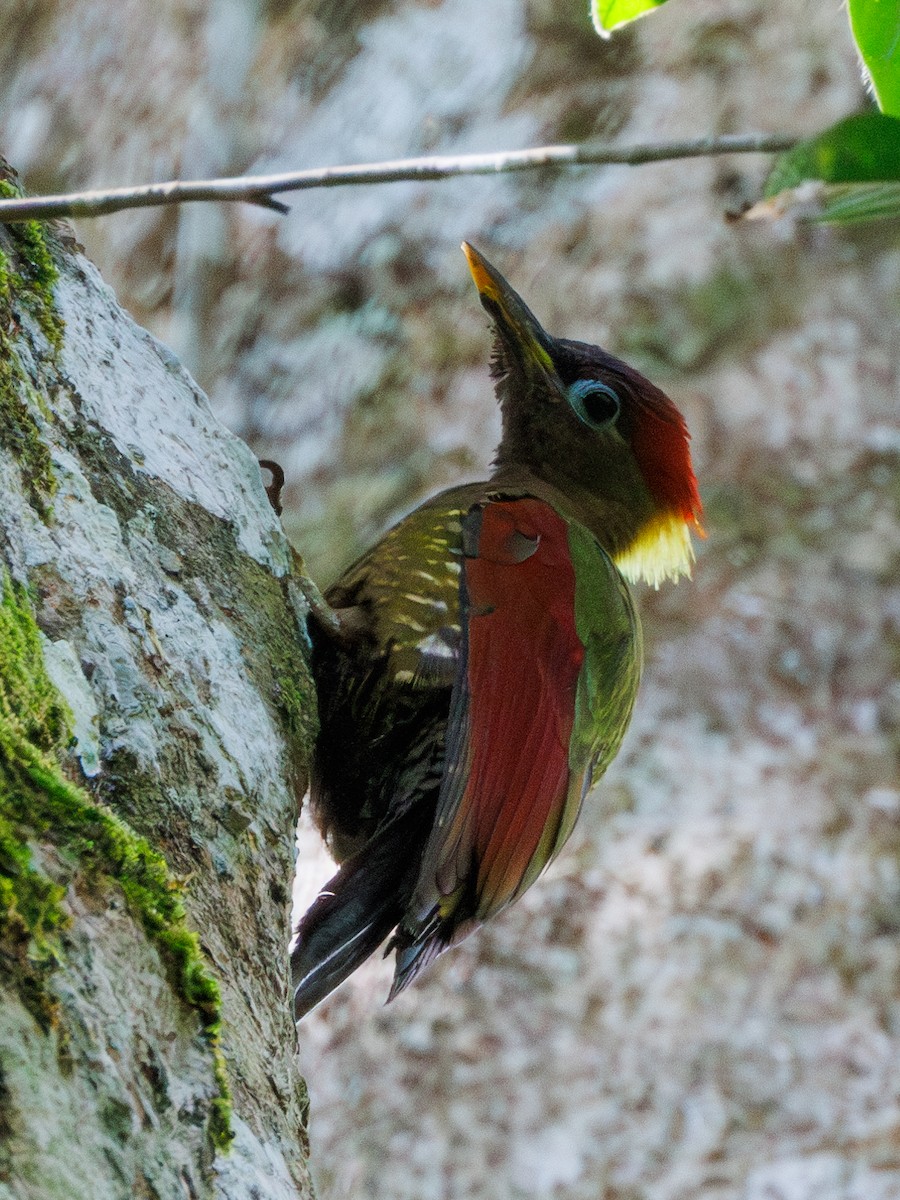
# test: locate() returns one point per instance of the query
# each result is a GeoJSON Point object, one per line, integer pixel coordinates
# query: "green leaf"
{"type": "Point", "coordinates": [831, 203]}
{"type": "Point", "coordinates": [876, 28]}
{"type": "Point", "coordinates": [860, 149]}
{"type": "Point", "coordinates": [843, 203]}
{"type": "Point", "coordinates": [608, 15]}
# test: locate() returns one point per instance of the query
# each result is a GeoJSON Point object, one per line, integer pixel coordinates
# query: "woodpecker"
{"type": "Point", "coordinates": [489, 654]}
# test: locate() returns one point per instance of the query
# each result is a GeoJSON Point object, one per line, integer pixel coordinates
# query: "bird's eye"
{"type": "Point", "coordinates": [594, 403]}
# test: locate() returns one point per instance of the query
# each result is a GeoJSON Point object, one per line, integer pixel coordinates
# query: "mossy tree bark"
{"type": "Point", "coordinates": [155, 720]}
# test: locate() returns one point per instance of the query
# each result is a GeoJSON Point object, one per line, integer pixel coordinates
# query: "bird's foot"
{"type": "Point", "coordinates": [310, 605]}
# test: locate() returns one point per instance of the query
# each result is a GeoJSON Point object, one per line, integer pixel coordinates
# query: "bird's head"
{"type": "Point", "coordinates": [605, 439]}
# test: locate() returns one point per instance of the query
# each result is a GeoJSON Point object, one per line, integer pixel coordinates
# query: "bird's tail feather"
{"type": "Point", "coordinates": [411, 959]}
{"type": "Point", "coordinates": [355, 911]}
{"type": "Point", "coordinates": [420, 945]}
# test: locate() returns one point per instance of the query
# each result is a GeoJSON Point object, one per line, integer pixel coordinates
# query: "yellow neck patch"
{"type": "Point", "coordinates": [662, 550]}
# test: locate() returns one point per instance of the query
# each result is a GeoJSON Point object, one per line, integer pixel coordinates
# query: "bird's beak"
{"type": "Point", "coordinates": [517, 327]}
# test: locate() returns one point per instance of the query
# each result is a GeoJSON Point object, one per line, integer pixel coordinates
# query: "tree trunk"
{"type": "Point", "coordinates": [156, 712]}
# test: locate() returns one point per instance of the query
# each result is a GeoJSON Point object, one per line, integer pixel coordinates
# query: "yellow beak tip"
{"type": "Point", "coordinates": [481, 273]}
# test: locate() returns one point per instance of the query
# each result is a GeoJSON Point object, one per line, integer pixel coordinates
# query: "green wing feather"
{"type": "Point", "coordinates": [609, 628]}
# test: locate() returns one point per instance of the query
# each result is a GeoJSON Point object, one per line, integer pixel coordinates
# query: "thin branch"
{"type": "Point", "coordinates": [261, 189]}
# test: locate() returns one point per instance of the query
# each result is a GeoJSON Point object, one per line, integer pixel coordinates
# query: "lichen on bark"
{"type": "Point", "coordinates": [37, 799]}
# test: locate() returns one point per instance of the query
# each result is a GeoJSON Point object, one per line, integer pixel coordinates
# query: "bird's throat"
{"type": "Point", "coordinates": [660, 550]}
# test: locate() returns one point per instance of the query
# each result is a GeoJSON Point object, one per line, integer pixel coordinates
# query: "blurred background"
{"type": "Point", "coordinates": [701, 999]}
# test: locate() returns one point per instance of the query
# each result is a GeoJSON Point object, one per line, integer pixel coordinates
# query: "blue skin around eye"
{"type": "Point", "coordinates": [580, 390]}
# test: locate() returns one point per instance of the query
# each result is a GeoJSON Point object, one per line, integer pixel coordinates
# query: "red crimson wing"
{"type": "Point", "coordinates": [507, 775]}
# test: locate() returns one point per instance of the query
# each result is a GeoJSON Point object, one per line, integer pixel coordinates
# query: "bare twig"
{"type": "Point", "coordinates": [261, 189]}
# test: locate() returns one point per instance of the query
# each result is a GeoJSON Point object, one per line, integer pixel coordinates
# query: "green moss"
{"type": "Point", "coordinates": [281, 667]}
{"type": "Point", "coordinates": [34, 275]}
{"type": "Point", "coordinates": [293, 695]}
{"type": "Point", "coordinates": [30, 917]}
{"type": "Point", "coordinates": [28, 275]}
{"type": "Point", "coordinates": [36, 800]}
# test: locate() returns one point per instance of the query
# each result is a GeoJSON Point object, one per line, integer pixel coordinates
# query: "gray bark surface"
{"type": "Point", "coordinates": [159, 578]}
